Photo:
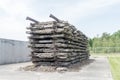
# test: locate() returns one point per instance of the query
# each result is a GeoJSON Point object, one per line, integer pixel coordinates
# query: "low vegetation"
{"type": "Point", "coordinates": [115, 66]}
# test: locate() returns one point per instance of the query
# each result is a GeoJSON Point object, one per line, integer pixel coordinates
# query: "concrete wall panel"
{"type": "Point", "coordinates": [13, 51]}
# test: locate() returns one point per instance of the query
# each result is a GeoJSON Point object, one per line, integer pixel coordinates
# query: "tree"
{"type": "Point", "coordinates": [106, 43]}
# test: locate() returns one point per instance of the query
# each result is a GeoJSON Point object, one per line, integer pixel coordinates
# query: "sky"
{"type": "Point", "coordinates": [92, 17]}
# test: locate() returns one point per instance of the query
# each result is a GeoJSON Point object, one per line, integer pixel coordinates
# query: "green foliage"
{"type": "Point", "coordinates": [107, 43]}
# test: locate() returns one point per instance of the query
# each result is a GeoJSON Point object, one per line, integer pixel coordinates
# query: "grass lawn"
{"type": "Point", "coordinates": [115, 67]}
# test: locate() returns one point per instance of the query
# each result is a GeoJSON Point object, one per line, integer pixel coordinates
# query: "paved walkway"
{"type": "Point", "coordinates": [97, 70]}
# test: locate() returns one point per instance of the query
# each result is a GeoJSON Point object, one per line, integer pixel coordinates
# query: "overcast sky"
{"type": "Point", "coordinates": [92, 17]}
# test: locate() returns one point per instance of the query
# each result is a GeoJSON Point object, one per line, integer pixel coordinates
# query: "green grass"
{"type": "Point", "coordinates": [115, 67]}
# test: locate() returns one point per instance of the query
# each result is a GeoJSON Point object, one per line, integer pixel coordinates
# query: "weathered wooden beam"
{"type": "Point", "coordinates": [57, 43]}
{"type": "Point", "coordinates": [28, 18]}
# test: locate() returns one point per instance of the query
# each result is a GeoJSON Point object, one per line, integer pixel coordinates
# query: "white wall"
{"type": "Point", "coordinates": [12, 51]}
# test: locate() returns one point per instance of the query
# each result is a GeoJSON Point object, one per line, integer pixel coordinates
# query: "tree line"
{"type": "Point", "coordinates": [107, 43]}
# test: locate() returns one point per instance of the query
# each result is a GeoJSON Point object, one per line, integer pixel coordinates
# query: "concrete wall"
{"type": "Point", "coordinates": [12, 51]}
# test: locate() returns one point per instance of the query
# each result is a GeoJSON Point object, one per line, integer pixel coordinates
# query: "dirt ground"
{"type": "Point", "coordinates": [74, 68]}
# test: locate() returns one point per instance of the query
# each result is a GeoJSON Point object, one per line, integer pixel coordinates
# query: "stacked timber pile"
{"type": "Point", "coordinates": [56, 43]}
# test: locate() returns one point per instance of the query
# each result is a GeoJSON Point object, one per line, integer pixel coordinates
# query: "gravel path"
{"type": "Point", "coordinates": [97, 70]}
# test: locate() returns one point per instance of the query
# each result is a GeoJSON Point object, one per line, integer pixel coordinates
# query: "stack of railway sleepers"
{"type": "Point", "coordinates": [56, 43]}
